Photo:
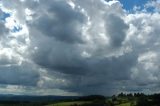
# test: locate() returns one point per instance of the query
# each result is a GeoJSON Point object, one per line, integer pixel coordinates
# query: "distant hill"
{"type": "Point", "coordinates": [27, 98]}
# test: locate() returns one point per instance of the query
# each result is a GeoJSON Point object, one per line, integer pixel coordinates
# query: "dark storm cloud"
{"type": "Point", "coordinates": [85, 75]}
{"type": "Point", "coordinates": [18, 75]}
{"type": "Point", "coordinates": [60, 22]}
{"type": "Point", "coordinates": [102, 73]}
{"type": "Point", "coordinates": [3, 29]}
{"type": "Point", "coordinates": [116, 29]}
{"type": "Point", "coordinates": [60, 57]}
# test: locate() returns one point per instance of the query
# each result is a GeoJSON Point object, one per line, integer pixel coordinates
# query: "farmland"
{"type": "Point", "coordinates": [138, 99]}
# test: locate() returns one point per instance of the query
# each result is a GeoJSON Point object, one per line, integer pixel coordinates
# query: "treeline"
{"type": "Point", "coordinates": [141, 99]}
{"type": "Point", "coordinates": [134, 99]}
{"type": "Point", "coordinates": [131, 95]}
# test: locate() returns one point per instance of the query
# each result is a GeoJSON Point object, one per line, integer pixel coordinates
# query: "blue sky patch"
{"type": "Point", "coordinates": [129, 4]}
{"type": "Point", "coordinates": [4, 15]}
{"type": "Point", "coordinates": [16, 29]}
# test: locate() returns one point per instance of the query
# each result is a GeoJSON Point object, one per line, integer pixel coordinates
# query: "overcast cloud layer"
{"type": "Point", "coordinates": [78, 47]}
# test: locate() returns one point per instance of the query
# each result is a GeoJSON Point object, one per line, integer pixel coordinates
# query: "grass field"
{"type": "Point", "coordinates": [69, 103]}
{"type": "Point", "coordinates": [117, 102]}
{"type": "Point", "coordinates": [124, 104]}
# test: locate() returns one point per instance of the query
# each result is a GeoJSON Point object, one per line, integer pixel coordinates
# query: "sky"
{"type": "Point", "coordinates": [129, 4]}
{"type": "Point", "coordinates": [79, 47]}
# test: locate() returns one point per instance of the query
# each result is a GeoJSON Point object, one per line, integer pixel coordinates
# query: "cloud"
{"type": "Point", "coordinates": [116, 33]}
{"type": "Point", "coordinates": [60, 22]}
{"type": "Point", "coordinates": [79, 47]}
{"type": "Point", "coordinates": [14, 66]}
{"type": "Point", "coordinates": [59, 56]}
{"type": "Point", "coordinates": [143, 36]}
{"type": "Point", "coordinates": [153, 5]}
{"type": "Point", "coordinates": [19, 75]}
{"type": "Point", "coordinates": [82, 65]}
{"type": "Point", "coordinates": [3, 29]}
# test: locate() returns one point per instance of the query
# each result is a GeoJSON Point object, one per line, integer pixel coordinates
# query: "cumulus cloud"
{"type": "Point", "coordinates": [60, 22]}
{"type": "Point", "coordinates": [83, 65]}
{"type": "Point", "coordinates": [3, 29]}
{"type": "Point", "coordinates": [19, 75]}
{"type": "Point", "coordinates": [116, 29]}
{"type": "Point", "coordinates": [78, 47]}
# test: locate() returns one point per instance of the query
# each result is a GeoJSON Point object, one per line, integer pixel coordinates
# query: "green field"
{"type": "Point", "coordinates": [95, 100]}
{"type": "Point", "coordinates": [70, 103]}
{"type": "Point", "coordinates": [119, 101]}
{"type": "Point", "coordinates": [124, 104]}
